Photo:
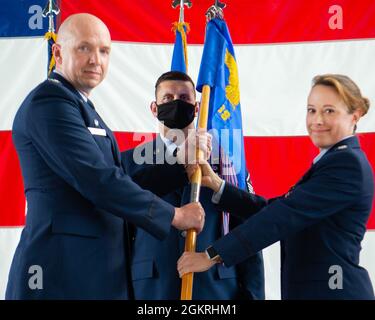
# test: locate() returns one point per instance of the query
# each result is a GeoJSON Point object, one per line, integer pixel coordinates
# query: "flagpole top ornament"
{"type": "Point", "coordinates": [216, 11]}
{"type": "Point", "coordinates": [51, 9]}
{"type": "Point", "coordinates": [181, 4]}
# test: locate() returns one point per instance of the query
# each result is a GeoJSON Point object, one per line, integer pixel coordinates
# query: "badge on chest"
{"type": "Point", "coordinates": [97, 131]}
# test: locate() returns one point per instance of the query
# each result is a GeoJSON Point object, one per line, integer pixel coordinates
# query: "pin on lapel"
{"type": "Point", "coordinates": [96, 122]}
{"type": "Point", "coordinates": [342, 147]}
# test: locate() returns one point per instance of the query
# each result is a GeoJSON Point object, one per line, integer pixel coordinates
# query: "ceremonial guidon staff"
{"type": "Point", "coordinates": [215, 11]}
{"type": "Point", "coordinates": [180, 28]}
{"type": "Point", "coordinates": [51, 9]}
{"type": "Point", "coordinates": [181, 4]}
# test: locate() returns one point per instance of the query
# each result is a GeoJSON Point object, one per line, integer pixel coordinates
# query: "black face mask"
{"type": "Point", "coordinates": [176, 114]}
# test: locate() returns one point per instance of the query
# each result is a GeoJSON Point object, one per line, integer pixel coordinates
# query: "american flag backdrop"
{"type": "Point", "coordinates": [280, 45]}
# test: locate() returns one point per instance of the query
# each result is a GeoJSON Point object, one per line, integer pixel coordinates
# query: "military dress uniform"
{"type": "Point", "coordinates": [78, 200]}
{"type": "Point", "coordinates": [154, 262]}
{"type": "Point", "coordinates": [321, 222]}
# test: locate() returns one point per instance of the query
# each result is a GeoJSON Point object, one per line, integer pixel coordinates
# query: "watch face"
{"type": "Point", "coordinates": [211, 252]}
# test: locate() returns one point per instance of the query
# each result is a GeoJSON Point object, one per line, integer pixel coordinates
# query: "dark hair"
{"type": "Point", "coordinates": [173, 75]}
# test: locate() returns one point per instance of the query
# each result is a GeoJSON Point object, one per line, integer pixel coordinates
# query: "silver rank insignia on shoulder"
{"type": "Point", "coordinates": [96, 122]}
{"type": "Point", "coordinates": [342, 147]}
{"type": "Point", "coordinates": [54, 80]}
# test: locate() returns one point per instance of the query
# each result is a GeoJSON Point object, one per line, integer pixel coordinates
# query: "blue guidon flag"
{"type": "Point", "coordinates": [218, 69]}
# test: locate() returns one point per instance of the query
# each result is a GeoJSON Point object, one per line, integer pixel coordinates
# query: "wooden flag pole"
{"type": "Point", "coordinates": [191, 236]}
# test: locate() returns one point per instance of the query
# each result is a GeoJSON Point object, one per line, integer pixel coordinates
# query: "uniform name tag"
{"type": "Point", "coordinates": [97, 131]}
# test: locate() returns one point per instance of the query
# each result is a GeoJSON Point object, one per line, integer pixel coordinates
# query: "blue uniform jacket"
{"type": "Point", "coordinates": [78, 199]}
{"type": "Point", "coordinates": [321, 222]}
{"type": "Point", "coordinates": [154, 262]}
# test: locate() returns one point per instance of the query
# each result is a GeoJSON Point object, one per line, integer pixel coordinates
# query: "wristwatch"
{"type": "Point", "coordinates": [213, 255]}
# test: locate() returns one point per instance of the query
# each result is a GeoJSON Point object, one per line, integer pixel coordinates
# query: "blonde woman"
{"type": "Point", "coordinates": [321, 221]}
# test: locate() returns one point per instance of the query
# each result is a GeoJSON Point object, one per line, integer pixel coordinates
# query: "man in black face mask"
{"type": "Point", "coordinates": [175, 108]}
{"type": "Point", "coordinates": [154, 269]}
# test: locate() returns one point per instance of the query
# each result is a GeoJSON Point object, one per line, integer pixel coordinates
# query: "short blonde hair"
{"type": "Point", "coordinates": [346, 89]}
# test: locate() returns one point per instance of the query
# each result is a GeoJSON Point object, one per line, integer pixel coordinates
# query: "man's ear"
{"type": "Point", "coordinates": [154, 108]}
{"type": "Point", "coordinates": [56, 50]}
{"type": "Point", "coordinates": [197, 105]}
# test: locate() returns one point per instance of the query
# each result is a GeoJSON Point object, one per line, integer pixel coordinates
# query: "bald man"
{"type": "Point", "coordinates": [74, 244]}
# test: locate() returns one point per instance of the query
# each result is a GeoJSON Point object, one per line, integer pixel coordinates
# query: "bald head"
{"type": "Point", "coordinates": [79, 22]}
{"type": "Point", "coordinates": [82, 51]}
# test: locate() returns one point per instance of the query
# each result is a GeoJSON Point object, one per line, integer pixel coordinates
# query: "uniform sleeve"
{"type": "Point", "coordinates": [335, 186]}
{"type": "Point", "coordinates": [239, 202]}
{"type": "Point", "coordinates": [62, 139]}
{"type": "Point", "coordinates": [160, 179]}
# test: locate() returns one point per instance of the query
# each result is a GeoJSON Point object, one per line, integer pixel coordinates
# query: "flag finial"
{"type": "Point", "coordinates": [51, 9]}
{"type": "Point", "coordinates": [216, 11]}
{"type": "Point", "coordinates": [181, 3]}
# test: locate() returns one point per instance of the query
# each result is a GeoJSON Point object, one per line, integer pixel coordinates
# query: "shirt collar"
{"type": "Point", "coordinates": [81, 93]}
{"type": "Point", "coordinates": [170, 145]}
{"type": "Point", "coordinates": [83, 96]}
{"type": "Point", "coordinates": [323, 151]}
{"type": "Point", "coordinates": [320, 155]}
